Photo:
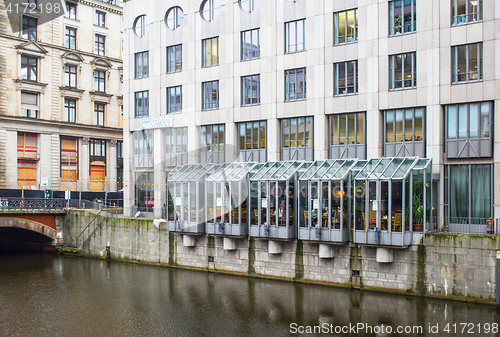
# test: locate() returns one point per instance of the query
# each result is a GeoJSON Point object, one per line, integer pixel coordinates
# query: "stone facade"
{"type": "Point", "coordinates": [50, 91]}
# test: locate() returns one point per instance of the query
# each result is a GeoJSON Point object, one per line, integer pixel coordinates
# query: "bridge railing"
{"type": "Point", "coordinates": [23, 203]}
{"type": "Point", "coordinates": [112, 206]}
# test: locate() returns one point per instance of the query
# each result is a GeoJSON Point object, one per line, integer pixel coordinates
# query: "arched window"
{"type": "Point", "coordinates": [209, 9]}
{"type": "Point", "coordinates": [174, 17]}
{"type": "Point", "coordinates": [140, 25]}
{"type": "Point", "coordinates": [249, 5]}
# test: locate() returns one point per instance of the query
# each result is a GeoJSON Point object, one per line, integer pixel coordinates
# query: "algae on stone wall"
{"type": "Point", "coordinates": [299, 261]}
{"type": "Point", "coordinates": [251, 255]}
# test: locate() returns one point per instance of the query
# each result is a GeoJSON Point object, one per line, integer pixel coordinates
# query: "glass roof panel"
{"type": "Point", "coordinates": [382, 165]}
{"type": "Point", "coordinates": [186, 172]}
{"type": "Point", "coordinates": [291, 170]}
{"type": "Point", "coordinates": [391, 168]}
{"type": "Point", "coordinates": [218, 172]}
{"type": "Point", "coordinates": [404, 168]}
{"type": "Point", "coordinates": [359, 165]}
{"type": "Point", "coordinates": [249, 169]}
{"type": "Point", "coordinates": [302, 168]}
{"type": "Point", "coordinates": [344, 169]}
{"type": "Point", "coordinates": [421, 163]}
{"type": "Point", "coordinates": [263, 170]}
{"type": "Point", "coordinates": [332, 169]}
{"type": "Point", "coordinates": [367, 169]}
{"type": "Point", "coordinates": [244, 168]}
{"type": "Point", "coordinates": [319, 172]}
{"type": "Point", "coordinates": [281, 170]}
{"type": "Point", "coordinates": [176, 171]}
{"type": "Point", "coordinates": [310, 171]}
{"type": "Point", "coordinates": [272, 170]}
{"type": "Point", "coordinates": [197, 173]}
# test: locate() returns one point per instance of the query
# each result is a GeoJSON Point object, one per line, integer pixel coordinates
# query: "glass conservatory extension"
{"type": "Point", "coordinates": [325, 200]}
{"type": "Point", "coordinates": [227, 199]}
{"type": "Point", "coordinates": [186, 198]}
{"type": "Point", "coordinates": [392, 200]}
{"type": "Point", "coordinates": [273, 199]}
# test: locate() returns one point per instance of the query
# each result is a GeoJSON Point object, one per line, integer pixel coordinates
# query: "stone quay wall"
{"type": "Point", "coordinates": [458, 267]}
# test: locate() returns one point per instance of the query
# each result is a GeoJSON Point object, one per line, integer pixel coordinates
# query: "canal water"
{"type": "Point", "coordinates": [49, 295]}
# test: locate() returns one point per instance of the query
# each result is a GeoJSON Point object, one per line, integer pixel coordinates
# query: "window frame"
{"type": "Point", "coordinates": [212, 10]}
{"type": "Point", "coordinates": [455, 74]}
{"type": "Point", "coordinates": [252, 5]}
{"type": "Point", "coordinates": [339, 146]}
{"type": "Point", "coordinates": [141, 70]}
{"type": "Point", "coordinates": [252, 100]}
{"type": "Point", "coordinates": [336, 26]}
{"type": "Point", "coordinates": [250, 148]}
{"type": "Point", "coordinates": [175, 152]}
{"type": "Point", "coordinates": [69, 110]}
{"type": "Point", "coordinates": [175, 107]}
{"type": "Point", "coordinates": [455, 16]}
{"type": "Point", "coordinates": [143, 109]}
{"type": "Point", "coordinates": [140, 25]}
{"type": "Point", "coordinates": [292, 34]}
{"type": "Point", "coordinates": [297, 152]}
{"type": "Point", "coordinates": [288, 85]}
{"type": "Point", "coordinates": [210, 150]}
{"type": "Point", "coordinates": [176, 20]}
{"type": "Point", "coordinates": [99, 113]}
{"type": "Point", "coordinates": [100, 80]}
{"type": "Point", "coordinates": [30, 110]}
{"type": "Point", "coordinates": [100, 18]}
{"type": "Point", "coordinates": [29, 31]}
{"type": "Point", "coordinates": [247, 53]}
{"type": "Point", "coordinates": [70, 37]}
{"type": "Point", "coordinates": [29, 67]}
{"type": "Point", "coordinates": [174, 50]}
{"type": "Point", "coordinates": [213, 104]}
{"type": "Point", "coordinates": [401, 29]}
{"type": "Point", "coordinates": [70, 76]}
{"type": "Point", "coordinates": [336, 77]}
{"type": "Point", "coordinates": [71, 8]}
{"type": "Point", "coordinates": [411, 147]}
{"type": "Point", "coordinates": [100, 44]}
{"type": "Point", "coordinates": [207, 55]}
{"type": "Point", "coordinates": [403, 81]}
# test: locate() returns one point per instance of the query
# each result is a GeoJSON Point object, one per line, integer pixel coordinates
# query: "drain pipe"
{"type": "Point", "coordinates": [498, 279]}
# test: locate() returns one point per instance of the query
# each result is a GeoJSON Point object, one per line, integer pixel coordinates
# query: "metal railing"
{"type": "Point", "coordinates": [33, 204]}
{"type": "Point", "coordinates": [460, 225]}
{"type": "Point", "coordinates": [90, 229]}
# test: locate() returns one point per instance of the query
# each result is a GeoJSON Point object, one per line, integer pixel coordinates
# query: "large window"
{"type": "Point", "coordinates": [468, 193]}
{"type": "Point", "coordinates": [97, 160]}
{"type": "Point", "coordinates": [29, 28]}
{"type": "Point", "coordinates": [70, 110]}
{"type": "Point", "coordinates": [468, 131]}
{"type": "Point", "coordinates": [176, 140]}
{"type": "Point", "coordinates": [295, 84]}
{"type": "Point", "coordinates": [143, 148]}
{"type": "Point", "coordinates": [404, 132]}
{"type": "Point", "coordinates": [100, 44]}
{"type": "Point", "coordinates": [141, 64]}
{"type": "Point", "coordinates": [100, 18]}
{"type": "Point", "coordinates": [466, 11]}
{"type": "Point", "coordinates": [402, 16]}
{"type": "Point", "coordinates": [295, 36]}
{"type": "Point", "coordinates": [174, 17]}
{"type": "Point", "coordinates": [209, 9]}
{"type": "Point", "coordinates": [69, 164]}
{"type": "Point", "coordinates": [70, 75]}
{"type": "Point", "coordinates": [100, 81]}
{"type": "Point", "coordinates": [174, 99]}
{"type": "Point", "coordinates": [29, 104]}
{"type": "Point", "coordinates": [141, 104]}
{"type": "Point", "coordinates": [345, 26]}
{"type": "Point", "coordinates": [250, 44]}
{"type": "Point", "coordinates": [250, 90]}
{"type": "Point", "coordinates": [174, 58]}
{"type": "Point", "coordinates": [29, 67]}
{"type": "Point", "coordinates": [348, 135]}
{"type": "Point", "coordinates": [346, 78]}
{"type": "Point", "coordinates": [119, 165]}
{"type": "Point", "coordinates": [27, 160]}
{"type": "Point", "coordinates": [467, 63]}
{"type": "Point", "coordinates": [71, 10]}
{"type": "Point", "coordinates": [210, 52]}
{"type": "Point", "coordinates": [297, 139]}
{"type": "Point", "coordinates": [252, 141]}
{"type": "Point", "coordinates": [402, 71]}
{"type": "Point", "coordinates": [70, 38]}
{"type": "Point", "coordinates": [99, 114]}
{"type": "Point", "coordinates": [212, 144]}
{"type": "Point", "coordinates": [210, 95]}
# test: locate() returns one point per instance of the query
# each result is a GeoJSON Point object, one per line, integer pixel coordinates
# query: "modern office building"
{"type": "Point", "coordinates": [60, 95]}
{"type": "Point", "coordinates": [219, 81]}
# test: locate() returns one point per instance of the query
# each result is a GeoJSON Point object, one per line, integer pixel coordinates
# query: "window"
{"type": "Point", "coordinates": [100, 18]}
{"type": "Point", "coordinates": [69, 164]}
{"type": "Point", "coordinates": [141, 104]}
{"type": "Point", "coordinates": [70, 110]}
{"type": "Point", "coordinates": [402, 71]}
{"type": "Point", "coordinates": [176, 140]}
{"type": "Point", "coordinates": [250, 90]}
{"type": "Point", "coordinates": [345, 28]}
{"type": "Point", "coordinates": [29, 104]}
{"type": "Point", "coordinates": [174, 99]}
{"type": "Point", "coordinates": [346, 78]}
{"type": "Point", "coordinates": [249, 5]}
{"type": "Point", "coordinates": [141, 64]}
{"type": "Point", "coordinates": [29, 67]}
{"type": "Point", "coordinates": [27, 160]}
{"type": "Point", "coordinates": [99, 114]}
{"type": "Point", "coordinates": [212, 144]}
{"type": "Point", "coordinates": [70, 38]}
{"type": "Point", "coordinates": [297, 139]}
{"type": "Point", "coordinates": [402, 16]}
{"type": "Point", "coordinates": [468, 195]}
{"type": "Point", "coordinates": [29, 28]}
{"type": "Point", "coordinates": [100, 81]}
{"type": "Point", "coordinates": [404, 133]}
{"type": "Point", "coordinates": [468, 131]}
{"type": "Point", "coordinates": [466, 11]}
{"type": "Point", "coordinates": [174, 17]}
{"type": "Point", "coordinates": [174, 58]}
{"type": "Point", "coordinates": [250, 44]}
{"type": "Point", "coordinates": [210, 50]}
{"type": "Point", "coordinates": [141, 25]}
{"type": "Point", "coordinates": [143, 148]}
{"type": "Point", "coordinates": [210, 92]}
{"type": "Point", "coordinates": [119, 165]}
{"type": "Point", "coordinates": [295, 84]}
{"type": "Point", "coordinates": [97, 160]}
{"type": "Point", "coordinates": [348, 135]}
{"type": "Point", "coordinates": [295, 36]}
{"type": "Point", "coordinates": [209, 9]}
{"type": "Point", "coordinates": [100, 44]}
{"type": "Point", "coordinates": [252, 141]}
{"type": "Point", "coordinates": [70, 75]}
{"type": "Point", "coordinates": [71, 10]}
{"type": "Point", "coordinates": [467, 63]}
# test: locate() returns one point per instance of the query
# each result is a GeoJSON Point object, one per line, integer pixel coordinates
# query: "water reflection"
{"type": "Point", "coordinates": [59, 296]}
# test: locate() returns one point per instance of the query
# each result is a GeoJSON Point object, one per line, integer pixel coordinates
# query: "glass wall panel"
{"type": "Point", "coordinates": [303, 204]}
{"type": "Point", "coordinates": [336, 204]}
{"type": "Point", "coordinates": [210, 201]}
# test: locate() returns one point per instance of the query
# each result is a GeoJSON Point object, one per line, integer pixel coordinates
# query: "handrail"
{"type": "Point", "coordinates": [87, 227]}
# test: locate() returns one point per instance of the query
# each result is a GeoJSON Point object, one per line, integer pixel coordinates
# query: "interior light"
{"type": "Point", "coordinates": [473, 3]}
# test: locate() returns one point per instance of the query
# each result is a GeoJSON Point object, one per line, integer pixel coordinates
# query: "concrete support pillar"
{"type": "Point", "coordinates": [11, 159]}
{"type": "Point", "coordinates": [385, 255]}
{"type": "Point", "coordinates": [320, 137]}
{"type": "Point", "coordinates": [230, 244]}
{"type": "Point", "coordinates": [44, 166]}
{"type": "Point", "coordinates": [273, 143]}
{"type": "Point", "coordinates": [83, 164]}
{"type": "Point", "coordinates": [275, 247]}
{"type": "Point", "coordinates": [159, 172]}
{"type": "Point", "coordinates": [189, 240]}
{"type": "Point", "coordinates": [325, 251]}
{"type": "Point", "coordinates": [111, 183]}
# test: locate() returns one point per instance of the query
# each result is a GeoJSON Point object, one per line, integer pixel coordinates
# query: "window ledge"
{"type": "Point", "coordinates": [402, 34]}
{"type": "Point", "coordinates": [173, 72]}
{"type": "Point", "coordinates": [32, 86]}
{"type": "Point", "coordinates": [344, 95]}
{"type": "Point", "coordinates": [402, 89]}
{"type": "Point", "coordinates": [296, 100]}
{"type": "Point", "coordinates": [247, 105]}
{"type": "Point", "coordinates": [466, 23]}
{"type": "Point", "coordinates": [295, 52]}
{"type": "Point", "coordinates": [101, 27]}
{"type": "Point", "coordinates": [255, 58]}
{"type": "Point", "coordinates": [211, 66]}
{"type": "Point", "coordinates": [210, 109]}
{"type": "Point", "coordinates": [344, 43]}
{"type": "Point", "coordinates": [466, 82]}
